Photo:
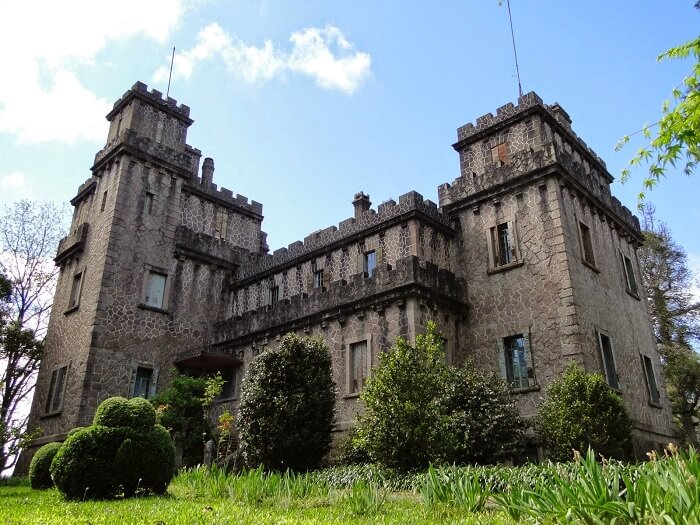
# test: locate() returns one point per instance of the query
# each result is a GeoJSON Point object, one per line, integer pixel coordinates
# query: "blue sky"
{"type": "Point", "coordinates": [302, 104]}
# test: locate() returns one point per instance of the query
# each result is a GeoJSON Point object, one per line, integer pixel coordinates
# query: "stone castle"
{"type": "Point", "coordinates": [527, 263]}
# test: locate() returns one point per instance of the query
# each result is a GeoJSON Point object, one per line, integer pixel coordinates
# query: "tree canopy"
{"type": "Point", "coordinates": [676, 136]}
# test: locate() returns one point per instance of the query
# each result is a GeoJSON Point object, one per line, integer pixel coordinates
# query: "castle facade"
{"type": "Point", "coordinates": [527, 263]}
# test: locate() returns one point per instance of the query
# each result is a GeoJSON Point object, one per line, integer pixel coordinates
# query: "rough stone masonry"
{"type": "Point", "coordinates": [527, 263]}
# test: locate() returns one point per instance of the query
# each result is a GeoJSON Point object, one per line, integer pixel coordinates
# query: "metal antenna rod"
{"type": "Point", "coordinates": [172, 60]}
{"type": "Point", "coordinates": [512, 35]}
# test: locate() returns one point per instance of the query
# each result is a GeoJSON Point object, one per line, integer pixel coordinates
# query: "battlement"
{"type": "Point", "coordinates": [86, 189]}
{"type": "Point", "coordinates": [155, 97]}
{"type": "Point", "coordinates": [409, 276]}
{"type": "Point", "coordinates": [411, 202]}
{"type": "Point", "coordinates": [470, 132]}
{"type": "Point", "coordinates": [224, 196]}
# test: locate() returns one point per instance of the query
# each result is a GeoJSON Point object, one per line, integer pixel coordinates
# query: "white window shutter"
{"type": "Point", "coordinates": [502, 359]}
{"type": "Point", "coordinates": [528, 361]}
{"type": "Point", "coordinates": [490, 244]}
{"type": "Point", "coordinates": [154, 383]}
{"type": "Point", "coordinates": [512, 242]}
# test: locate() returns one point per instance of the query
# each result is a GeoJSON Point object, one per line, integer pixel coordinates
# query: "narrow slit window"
{"type": "Point", "coordinates": [76, 286]}
{"type": "Point", "coordinates": [358, 366]}
{"type": "Point", "coordinates": [104, 201]}
{"type": "Point", "coordinates": [586, 244]}
{"type": "Point", "coordinates": [608, 358]}
{"type": "Point", "coordinates": [148, 206]}
{"type": "Point", "coordinates": [629, 275]}
{"type": "Point", "coordinates": [54, 400]}
{"type": "Point", "coordinates": [652, 386]}
{"type": "Point", "coordinates": [370, 263]}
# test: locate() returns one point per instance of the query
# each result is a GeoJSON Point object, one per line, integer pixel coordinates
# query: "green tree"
{"type": "Point", "coordinates": [287, 407]}
{"type": "Point", "coordinates": [581, 411]}
{"type": "Point", "coordinates": [419, 410]}
{"type": "Point", "coordinates": [677, 135]}
{"type": "Point", "coordinates": [675, 316]}
{"type": "Point", "coordinates": [29, 235]}
{"type": "Point", "coordinates": [181, 410]}
{"type": "Point", "coordinates": [406, 425]}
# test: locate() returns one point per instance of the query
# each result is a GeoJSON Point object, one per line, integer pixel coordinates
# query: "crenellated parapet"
{"type": "Point", "coordinates": [155, 98]}
{"type": "Point", "coordinates": [224, 196]}
{"type": "Point", "coordinates": [207, 249]}
{"type": "Point", "coordinates": [389, 285]}
{"type": "Point", "coordinates": [185, 160]}
{"type": "Point", "coordinates": [72, 245]}
{"type": "Point", "coordinates": [411, 204]}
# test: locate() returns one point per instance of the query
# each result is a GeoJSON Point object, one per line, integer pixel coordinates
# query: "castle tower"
{"type": "Point", "coordinates": [551, 263]}
{"type": "Point", "coordinates": [144, 268]}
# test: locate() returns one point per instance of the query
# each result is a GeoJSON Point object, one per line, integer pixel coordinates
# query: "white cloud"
{"type": "Point", "coordinates": [15, 184]}
{"type": "Point", "coordinates": [323, 54]}
{"type": "Point", "coordinates": [43, 44]}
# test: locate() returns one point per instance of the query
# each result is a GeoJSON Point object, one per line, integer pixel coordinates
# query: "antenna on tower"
{"type": "Point", "coordinates": [170, 76]}
{"type": "Point", "coordinates": [515, 53]}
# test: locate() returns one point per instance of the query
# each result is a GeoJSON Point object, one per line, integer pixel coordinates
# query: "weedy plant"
{"type": "Point", "coordinates": [365, 499]}
{"type": "Point", "coordinates": [459, 487]}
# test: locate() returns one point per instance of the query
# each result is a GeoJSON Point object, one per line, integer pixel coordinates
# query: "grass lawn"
{"type": "Point", "coordinates": [22, 505]}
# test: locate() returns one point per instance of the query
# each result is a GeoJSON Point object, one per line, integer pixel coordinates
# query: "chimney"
{"type": "Point", "coordinates": [361, 203]}
{"type": "Point", "coordinates": [208, 172]}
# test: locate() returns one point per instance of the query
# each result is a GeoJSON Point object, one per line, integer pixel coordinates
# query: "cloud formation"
{"type": "Point", "coordinates": [44, 45]}
{"type": "Point", "coordinates": [15, 184]}
{"type": "Point", "coordinates": [323, 54]}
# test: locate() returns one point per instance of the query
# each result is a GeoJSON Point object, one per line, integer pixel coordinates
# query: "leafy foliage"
{"type": "Point", "coordinates": [419, 410]}
{"type": "Point", "coordinates": [677, 139]}
{"type": "Point", "coordinates": [39, 470]}
{"type": "Point", "coordinates": [581, 411]}
{"type": "Point", "coordinates": [287, 406]}
{"type": "Point", "coordinates": [676, 319]}
{"type": "Point", "coordinates": [122, 451]}
{"type": "Point", "coordinates": [29, 234]}
{"type": "Point", "coordinates": [180, 409]}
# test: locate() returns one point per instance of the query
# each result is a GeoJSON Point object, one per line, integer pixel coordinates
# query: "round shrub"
{"type": "Point", "coordinates": [74, 430]}
{"type": "Point", "coordinates": [119, 452]}
{"type": "Point", "coordinates": [145, 461]}
{"type": "Point", "coordinates": [113, 412]}
{"type": "Point", "coordinates": [287, 406]}
{"type": "Point", "coordinates": [581, 411]}
{"type": "Point", "coordinates": [83, 466]}
{"type": "Point", "coordinates": [39, 469]}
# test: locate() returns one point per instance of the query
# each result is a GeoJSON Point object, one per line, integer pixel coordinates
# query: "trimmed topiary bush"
{"type": "Point", "coordinates": [581, 411]}
{"type": "Point", "coordinates": [123, 451]}
{"type": "Point", "coordinates": [287, 406]}
{"type": "Point", "coordinates": [39, 469]}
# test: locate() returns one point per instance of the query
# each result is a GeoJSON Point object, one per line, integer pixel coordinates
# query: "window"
{"type": "Point", "coordinates": [104, 201]}
{"type": "Point", "coordinates": [318, 279]}
{"type": "Point", "coordinates": [586, 244]}
{"type": "Point", "coordinates": [370, 263]}
{"type": "Point", "coordinates": [503, 245]}
{"type": "Point", "coordinates": [629, 275]}
{"type": "Point", "coordinates": [499, 153]}
{"type": "Point", "coordinates": [75, 290]}
{"type": "Point", "coordinates": [654, 397]}
{"type": "Point", "coordinates": [159, 129]}
{"type": "Point", "coordinates": [608, 358]}
{"type": "Point", "coordinates": [54, 401]}
{"type": "Point", "coordinates": [358, 366]}
{"type": "Point", "coordinates": [273, 294]}
{"type": "Point", "coordinates": [155, 289]}
{"type": "Point", "coordinates": [148, 206]}
{"type": "Point", "coordinates": [515, 361]}
{"type": "Point", "coordinates": [143, 384]}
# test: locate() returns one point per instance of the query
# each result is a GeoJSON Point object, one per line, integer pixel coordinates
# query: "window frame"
{"type": "Point", "coordinates": [318, 279]}
{"type": "Point", "coordinates": [528, 381]}
{"type": "Point", "coordinates": [51, 408]}
{"type": "Point", "coordinates": [153, 270]}
{"type": "Point", "coordinates": [615, 376]}
{"type": "Point", "coordinates": [366, 366]}
{"type": "Point", "coordinates": [495, 248]}
{"type": "Point", "coordinates": [586, 245]}
{"type": "Point", "coordinates": [651, 380]}
{"type": "Point", "coordinates": [153, 382]}
{"type": "Point", "coordinates": [76, 291]}
{"type": "Point", "coordinates": [369, 269]}
{"type": "Point", "coordinates": [149, 202]}
{"type": "Point", "coordinates": [630, 282]}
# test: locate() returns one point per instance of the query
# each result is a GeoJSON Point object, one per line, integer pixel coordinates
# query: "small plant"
{"type": "Point", "coordinates": [458, 487]}
{"type": "Point", "coordinates": [365, 499]}
{"type": "Point", "coordinates": [39, 469]}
